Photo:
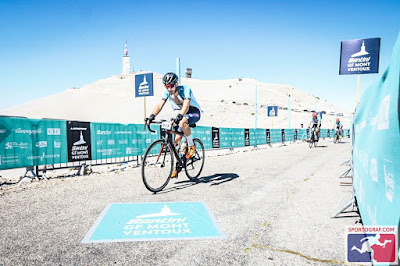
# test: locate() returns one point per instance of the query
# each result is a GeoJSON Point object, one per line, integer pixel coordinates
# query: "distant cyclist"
{"type": "Point", "coordinates": [339, 127]}
{"type": "Point", "coordinates": [181, 99]}
{"type": "Point", "coordinates": [315, 124]}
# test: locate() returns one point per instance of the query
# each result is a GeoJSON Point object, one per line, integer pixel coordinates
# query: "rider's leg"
{"type": "Point", "coordinates": [184, 125]}
{"type": "Point", "coordinates": [188, 134]}
{"type": "Point", "coordinates": [178, 139]}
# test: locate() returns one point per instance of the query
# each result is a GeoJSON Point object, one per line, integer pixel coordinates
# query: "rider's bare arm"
{"type": "Point", "coordinates": [159, 107]}
{"type": "Point", "coordinates": [185, 107]}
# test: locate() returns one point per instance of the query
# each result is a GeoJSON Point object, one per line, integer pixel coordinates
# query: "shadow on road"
{"type": "Point", "coordinates": [318, 146]}
{"type": "Point", "coordinates": [214, 180]}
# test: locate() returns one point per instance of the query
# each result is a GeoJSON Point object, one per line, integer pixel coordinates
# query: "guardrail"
{"type": "Point", "coordinates": [28, 142]}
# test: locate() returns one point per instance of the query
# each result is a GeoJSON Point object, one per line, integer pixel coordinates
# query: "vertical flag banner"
{"type": "Point", "coordinates": [144, 85]}
{"type": "Point", "coordinates": [79, 141]}
{"type": "Point", "coordinates": [359, 56]}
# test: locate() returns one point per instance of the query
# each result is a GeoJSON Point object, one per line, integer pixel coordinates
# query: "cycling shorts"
{"type": "Point", "coordinates": [193, 115]}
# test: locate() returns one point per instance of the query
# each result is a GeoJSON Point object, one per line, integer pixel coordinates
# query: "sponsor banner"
{"type": "Point", "coordinates": [323, 133]}
{"type": "Point", "coordinates": [257, 136]}
{"type": "Point", "coordinates": [302, 133]}
{"type": "Point", "coordinates": [144, 85]}
{"type": "Point", "coordinates": [372, 244]}
{"type": "Point", "coordinates": [276, 135]}
{"type": "Point", "coordinates": [268, 135]}
{"type": "Point", "coordinates": [237, 137]}
{"type": "Point", "coordinates": [225, 135]}
{"type": "Point", "coordinates": [121, 222]}
{"type": "Point", "coordinates": [204, 134]}
{"type": "Point", "coordinates": [376, 142]}
{"type": "Point", "coordinates": [114, 140]}
{"type": "Point", "coordinates": [79, 141]}
{"type": "Point", "coordinates": [26, 142]}
{"type": "Point", "coordinates": [359, 56]}
{"type": "Point", "coordinates": [246, 137]}
{"type": "Point", "coordinates": [215, 137]}
{"type": "Point", "coordinates": [289, 134]}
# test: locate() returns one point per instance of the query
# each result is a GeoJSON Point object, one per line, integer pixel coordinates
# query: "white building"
{"type": "Point", "coordinates": [126, 61]}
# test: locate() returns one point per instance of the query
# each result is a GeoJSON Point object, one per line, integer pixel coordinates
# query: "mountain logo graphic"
{"type": "Point", "coordinates": [361, 52]}
{"type": "Point", "coordinates": [165, 211]}
{"type": "Point", "coordinates": [80, 141]}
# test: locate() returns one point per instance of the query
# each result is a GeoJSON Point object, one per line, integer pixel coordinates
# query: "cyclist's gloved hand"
{"type": "Point", "coordinates": [178, 119]}
{"type": "Point", "coordinates": [150, 119]}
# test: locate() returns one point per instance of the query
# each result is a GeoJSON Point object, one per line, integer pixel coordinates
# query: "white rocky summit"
{"type": "Point", "coordinates": [226, 103]}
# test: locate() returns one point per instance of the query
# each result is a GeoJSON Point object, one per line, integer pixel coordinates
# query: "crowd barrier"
{"type": "Point", "coordinates": [28, 142]}
{"type": "Point", "coordinates": [376, 148]}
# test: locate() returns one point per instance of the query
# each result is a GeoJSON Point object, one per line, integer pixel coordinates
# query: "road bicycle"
{"type": "Point", "coordinates": [337, 138]}
{"type": "Point", "coordinates": [314, 138]}
{"type": "Point", "coordinates": [158, 161]}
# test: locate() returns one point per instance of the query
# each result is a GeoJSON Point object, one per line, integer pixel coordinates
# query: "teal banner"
{"type": "Point", "coordinates": [289, 134]}
{"type": "Point", "coordinates": [258, 136]}
{"type": "Point", "coordinates": [276, 135]}
{"type": "Point", "coordinates": [237, 137]}
{"type": "Point", "coordinates": [302, 134]}
{"type": "Point", "coordinates": [204, 134]}
{"type": "Point", "coordinates": [376, 156]}
{"type": "Point", "coordinates": [31, 142]}
{"type": "Point", "coordinates": [324, 133]}
{"type": "Point", "coordinates": [120, 140]}
{"type": "Point", "coordinates": [34, 142]}
{"type": "Point", "coordinates": [226, 138]}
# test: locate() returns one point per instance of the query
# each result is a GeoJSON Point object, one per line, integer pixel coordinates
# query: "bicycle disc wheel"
{"type": "Point", "coordinates": [194, 165]}
{"type": "Point", "coordinates": [157, 166]}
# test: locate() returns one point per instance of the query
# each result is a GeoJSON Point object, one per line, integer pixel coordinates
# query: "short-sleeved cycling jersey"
{"type": "Point", "coordinates": [184, 93]}
{"type": "Point", "coordinates": [315, 120]}
{"type": "Point", "coordinates": [338, 124]}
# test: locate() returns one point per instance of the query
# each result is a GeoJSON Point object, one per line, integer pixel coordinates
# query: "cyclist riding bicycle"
{"type": "Point", "coordinates": [182, 100]}
{"type": "Point", "coordinates": [315, 124]}
{"type": "Point", "coordinates": [339, 127]}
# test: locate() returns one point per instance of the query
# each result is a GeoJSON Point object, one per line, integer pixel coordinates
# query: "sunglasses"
{"type": "Point", "coordinates": [170, 86]}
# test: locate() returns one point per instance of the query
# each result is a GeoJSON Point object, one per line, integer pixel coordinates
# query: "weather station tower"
{"type": "Point", "coordinates": [126, 61]}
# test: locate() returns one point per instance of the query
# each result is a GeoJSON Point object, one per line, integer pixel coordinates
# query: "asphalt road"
{"type": "Point", "coordinates": [273, 205]}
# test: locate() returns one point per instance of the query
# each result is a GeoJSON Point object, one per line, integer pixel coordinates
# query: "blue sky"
{"type": "Point", "coordinates": [49, 46]}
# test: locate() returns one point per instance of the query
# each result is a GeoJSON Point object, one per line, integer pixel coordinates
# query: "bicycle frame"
{"type": "Point", "coordinates": [168, 140]}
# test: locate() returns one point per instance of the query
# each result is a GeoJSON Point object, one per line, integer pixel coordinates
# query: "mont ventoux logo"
{"type": "Point", "coordinates": [359, 61]}
{"type": "Point", "coordinates": [164, 223]}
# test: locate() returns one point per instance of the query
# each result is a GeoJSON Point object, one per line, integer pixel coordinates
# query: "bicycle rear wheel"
{"type": "Point", "coordinates": [194, 165]}
{"type": "Point", "coordinates": [157, 166]}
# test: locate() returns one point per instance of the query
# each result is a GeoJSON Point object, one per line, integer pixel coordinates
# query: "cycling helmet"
{"type": "Point", "coordinates": [337, 119]}
{"type": "Point", "coordinates": [170, 78]}
{"type": "Point", "coordinates": [314, 115]}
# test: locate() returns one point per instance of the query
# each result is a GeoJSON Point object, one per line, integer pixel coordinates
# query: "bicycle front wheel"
{"type": "Point", "coordinates": [157, 166]}
{"type": "Point", "coordinates": [194, 165]}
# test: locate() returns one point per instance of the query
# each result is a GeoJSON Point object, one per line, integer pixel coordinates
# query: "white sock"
{"type": "Point", "coordinates": [190, 140]}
